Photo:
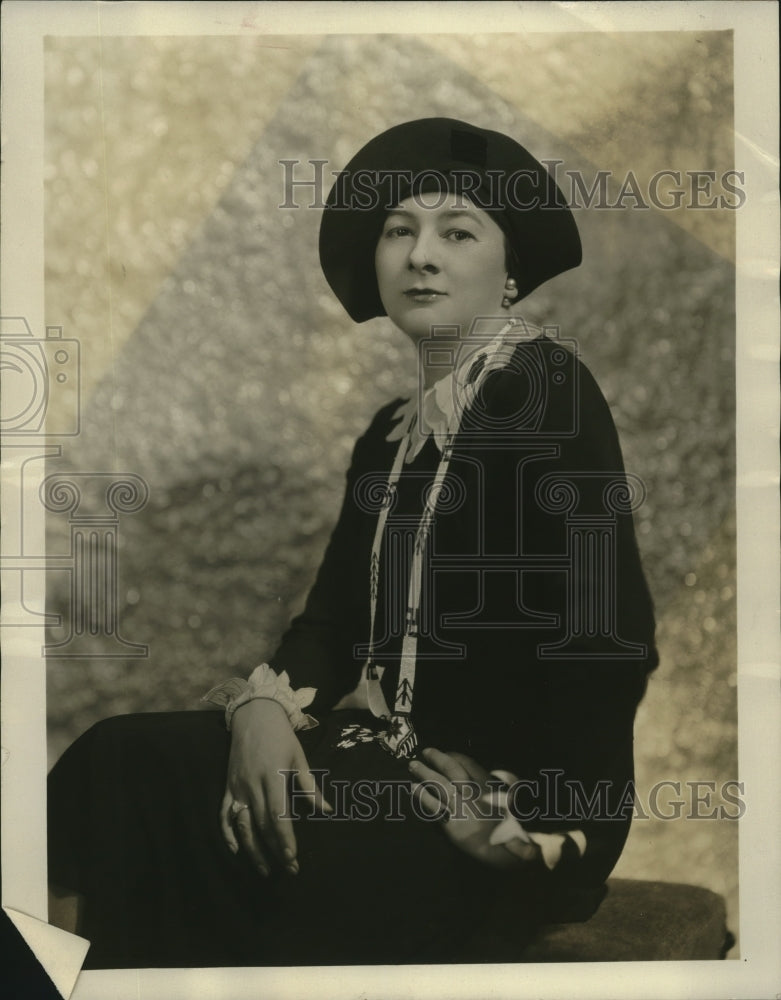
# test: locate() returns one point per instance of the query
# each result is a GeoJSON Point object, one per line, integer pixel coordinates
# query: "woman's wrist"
{"type": "Point", "coordinates": [264, 684]}
{"type": "Point", "coordinates": [257, 708]}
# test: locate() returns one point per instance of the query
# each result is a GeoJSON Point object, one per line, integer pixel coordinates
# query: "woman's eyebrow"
{"type": "Point", "coordinates": [451, 213]}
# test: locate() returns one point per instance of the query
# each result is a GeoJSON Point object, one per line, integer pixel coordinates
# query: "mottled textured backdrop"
{"type": "Point", "coordinates": [218, 367]}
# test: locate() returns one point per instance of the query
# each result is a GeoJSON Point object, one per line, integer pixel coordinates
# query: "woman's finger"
{"type": "Point", "coordinates": [246, 831]}
{"type": "Point", "coordinates": [438, 789]}
{"type": "Point", "coordinates": [279, 829]}
{"type": "Point", "coordinates": [475, 771]}
{"type": "Point", "coordinates": [526, 852]}
{"type": "Point", "coordinates": [432, 805]}
{"type": "Point", "coordinates": [452, 768]}
{"type": "Point", "coordinates": [321, 803]}
{"type": "Point", "coordinates": [226, 825]}
{"type": "Point", "coordinates": [452, 783]}
{"type": "Point", "coordinates": [306, 782]}
{"type": "Point", "coordinates": [436, 779]}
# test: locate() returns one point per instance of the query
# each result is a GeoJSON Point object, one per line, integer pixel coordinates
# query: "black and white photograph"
{"type": "Point", "coordinates": [390, 463]}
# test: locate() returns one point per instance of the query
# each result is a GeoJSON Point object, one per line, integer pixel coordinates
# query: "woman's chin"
{"type": "Point", "coordinates": [421, 324]}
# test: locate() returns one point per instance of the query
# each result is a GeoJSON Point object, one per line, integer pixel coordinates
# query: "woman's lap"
{"type": "Point", "coordinates": [133, 825]}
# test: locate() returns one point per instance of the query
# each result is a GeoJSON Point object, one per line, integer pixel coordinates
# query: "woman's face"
{"type": "Point", "coordinates": [440, 264]}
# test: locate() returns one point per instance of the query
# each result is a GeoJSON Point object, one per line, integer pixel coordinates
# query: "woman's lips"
{"type": "Point", "coordinates": [423, 294]}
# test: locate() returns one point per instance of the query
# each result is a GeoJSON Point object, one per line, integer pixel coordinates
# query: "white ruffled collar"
{"type": "Point", "coordinates": [442, 404]}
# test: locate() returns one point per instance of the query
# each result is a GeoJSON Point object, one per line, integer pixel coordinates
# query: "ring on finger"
{"type": "Point", "coordinates": [237, 807]}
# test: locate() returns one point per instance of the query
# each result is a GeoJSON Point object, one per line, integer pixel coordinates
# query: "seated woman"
{"type": "Point", "coordinates": [438, 757]}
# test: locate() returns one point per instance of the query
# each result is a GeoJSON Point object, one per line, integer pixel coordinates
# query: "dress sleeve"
{"type": "Point", "coordinates": [320, 649]}
{"type": "Point", "coordinates": [565, 690]}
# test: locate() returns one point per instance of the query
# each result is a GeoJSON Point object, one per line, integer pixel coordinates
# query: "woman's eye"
{"type": "Point", "coordinates": [459, 235]}
{"type": "Point", "coordinates": [395, 231]}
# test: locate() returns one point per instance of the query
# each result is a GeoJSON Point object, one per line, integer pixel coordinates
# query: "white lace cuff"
{"type": "Point", "coordinates": [510, 830]}
{"type": "Point", "coordinates": [264, 683]}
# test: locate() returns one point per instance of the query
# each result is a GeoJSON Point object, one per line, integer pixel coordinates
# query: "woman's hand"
{"type": "Point", "coordinates": [451, 785]}
{"type": "Point", "coordinates": [255, 813]}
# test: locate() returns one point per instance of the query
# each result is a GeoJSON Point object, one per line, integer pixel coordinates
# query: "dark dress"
{"type": "Point", "coordinates": [536, 638]}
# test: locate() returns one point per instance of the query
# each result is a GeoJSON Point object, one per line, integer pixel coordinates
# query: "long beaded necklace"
{"type": "Point", "coordinates": [400, 738]}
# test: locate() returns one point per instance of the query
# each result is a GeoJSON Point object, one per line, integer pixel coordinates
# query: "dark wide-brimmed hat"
{"type": "Point", "coordinates": [493, 170]}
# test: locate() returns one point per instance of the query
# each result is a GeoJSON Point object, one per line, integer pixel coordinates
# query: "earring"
{"type": "Point", "coordinates": [511, 288]}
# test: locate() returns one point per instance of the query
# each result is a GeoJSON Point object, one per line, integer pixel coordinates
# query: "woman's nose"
{"type": "Point", "coordinates": [422, 255]}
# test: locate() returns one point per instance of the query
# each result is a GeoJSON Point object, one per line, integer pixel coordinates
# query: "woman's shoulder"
{"type": "Point", "coordinates": [542, 359]}
{"type": "Point", "coordinates": [543, 386]}
{"type": "Point", "coordinates": [389, 416]}
{"type": "Point", "coordinates": [379, 433]}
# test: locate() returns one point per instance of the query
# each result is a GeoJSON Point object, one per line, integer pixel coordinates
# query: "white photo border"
{"type": "Point", "coordinates": [23, 683]}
